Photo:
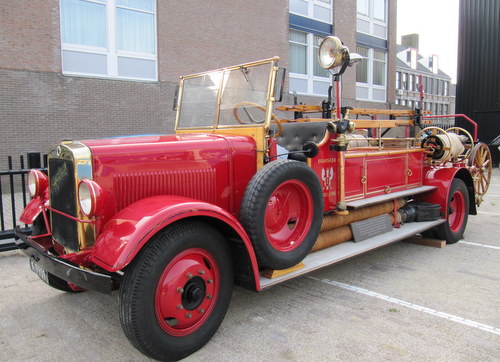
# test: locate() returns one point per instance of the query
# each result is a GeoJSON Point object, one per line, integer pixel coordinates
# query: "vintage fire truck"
{"type": "Point", "coordinates": [238, 195]}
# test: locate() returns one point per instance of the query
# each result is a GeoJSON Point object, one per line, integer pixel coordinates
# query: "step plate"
{"type": "Point", "coordinates": [337, 253]}
{"type": "Point", "coordinates": [387, 197]}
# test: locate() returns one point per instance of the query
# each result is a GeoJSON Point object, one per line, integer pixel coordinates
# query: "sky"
{"type": "Point", "coordinates": [437, 23]}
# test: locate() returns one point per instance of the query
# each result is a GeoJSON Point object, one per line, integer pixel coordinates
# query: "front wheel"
{"type": "Point", "coordinates": [453, 228]}
{"type": "Point", "coordinates": [176, 292]}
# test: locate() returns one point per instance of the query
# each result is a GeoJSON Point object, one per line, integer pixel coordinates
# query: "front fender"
{"type": "Point", "coordinates": [32, 210]}
{"type": "Point", "coordinates": [442, 178]}
{"type": "Point", "coordinates": [124, 235]}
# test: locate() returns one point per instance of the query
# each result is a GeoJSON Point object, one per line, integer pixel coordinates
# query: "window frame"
{"type": "Point", "coordinates": [311, 59]}
{"type": "Point", "coordinates": [370, 85]}
{"type": "Point", "coordinates": [310, 9]}
{"type": "Point", "coordinates": [370, 18]}
{"type": "Point", "coordinates": [111, 50]}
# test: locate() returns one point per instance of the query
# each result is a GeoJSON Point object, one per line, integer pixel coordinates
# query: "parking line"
{"type": "Point", "coordinates": [488, 213]}
{"type": "Point", "coordinates": [420, 308]}
{"type": "Point", "coordinates": [477, 244]}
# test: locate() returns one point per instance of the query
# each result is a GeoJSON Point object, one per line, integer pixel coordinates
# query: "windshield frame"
{"type": "Point", "coordinates": [270, 96]}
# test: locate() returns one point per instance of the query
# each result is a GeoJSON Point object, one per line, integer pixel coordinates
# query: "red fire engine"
{"type": "Point", "coordinates": [238, 195]}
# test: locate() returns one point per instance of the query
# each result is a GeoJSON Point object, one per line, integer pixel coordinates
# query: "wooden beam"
{"type": "Point", "coordinates": [393, 112]}
{"type": "Point", "coordinates": [419, 240]}
{"type": "Point", "coordinates": [300, 108]}
{"type": "Point", "coordinates": [273, 273]}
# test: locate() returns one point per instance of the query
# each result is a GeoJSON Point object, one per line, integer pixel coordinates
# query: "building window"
{"type": "Point", "coordinates": [372, 17]}
{"type": "Point", "coordinates": [320, 10]}
{"type": "Point", "coordinates": [446, 89]}
{"type": "Point", "coordinates": [371, 75]}
{"type": "Point", "coordinates": [405, 81]}
{"type": "Point", "coordinates": [306, 75]}
{"type": "Point", "coordinates": [411, 85]}
{"type": "Point", "coordinates": [398, 80]}
{"type": "Point", "coordinates": [111, 39]}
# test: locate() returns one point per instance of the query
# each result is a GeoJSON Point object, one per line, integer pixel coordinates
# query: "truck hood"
{"type": "Point", "coordinates": [198, 166]}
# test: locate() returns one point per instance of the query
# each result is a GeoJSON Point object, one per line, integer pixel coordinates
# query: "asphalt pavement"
{"type": "Point", "coordinates": [402, 302]}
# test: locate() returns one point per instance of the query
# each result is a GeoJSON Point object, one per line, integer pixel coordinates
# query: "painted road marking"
{"type": "Point", "coordinates": [488, 213]}
{"type": "Point", "coordinates": [450, 317]}
{"type": "Point", "coordinates": [477, 244]}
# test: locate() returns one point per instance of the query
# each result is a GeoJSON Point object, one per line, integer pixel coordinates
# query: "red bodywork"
{"type": "Point", "coordinates": [150, 182]}
{"type": "Point", "coordinates": [210, 168]}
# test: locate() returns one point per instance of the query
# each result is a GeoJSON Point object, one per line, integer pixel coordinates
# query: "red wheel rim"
{"type": "Point", "coordinates": [457, 211]}
{"type": "Point", "coordinates": [289, 214]}
{"type": "Point", "coordinates": [187, 292]}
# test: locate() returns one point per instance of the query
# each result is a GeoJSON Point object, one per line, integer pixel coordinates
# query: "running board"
{"type": "Point", "coordinates": [337, 253]}
{"type": "Point", "coordinates": [387, 197]}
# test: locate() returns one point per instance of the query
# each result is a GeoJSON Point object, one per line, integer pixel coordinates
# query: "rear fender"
{"type": "Point", "coordinates": [124, 236]}
{"type": "Point", "coordinates": [442, 178]}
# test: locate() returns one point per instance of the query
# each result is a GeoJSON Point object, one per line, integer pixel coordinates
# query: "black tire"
{"type": "Point", "coordinates": [284, 194]}
{"type": "Point", "coordinates": [38, 228]}
{"type": "Point", "coordinates": [151, 316]}
{"type": "Point", "coordinates": [453, 228]}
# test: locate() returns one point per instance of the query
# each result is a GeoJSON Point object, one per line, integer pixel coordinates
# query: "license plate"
{"type": "Point", "coordinates": [35, 267]}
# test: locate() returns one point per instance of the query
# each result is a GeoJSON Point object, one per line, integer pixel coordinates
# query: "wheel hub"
{"type": "Point", "coordinates": [288, 215]}
{"type": "Point", "coordinates": [194, 293]}
{"type": "Point", "coordinates": [187, 292]}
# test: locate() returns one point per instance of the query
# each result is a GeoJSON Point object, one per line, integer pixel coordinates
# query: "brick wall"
{"type": "Point", "coordinates": [41, 108]}
{"type": "Point", "coordinates": [201, 35]}
{"type": "Point", "coordinates": [29, 35]}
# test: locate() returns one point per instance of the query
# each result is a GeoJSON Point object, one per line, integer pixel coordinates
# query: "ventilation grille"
{"type": "Point", "coordinates": [198, 184]}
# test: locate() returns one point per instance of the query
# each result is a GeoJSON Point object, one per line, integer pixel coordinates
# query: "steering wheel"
{"type": "Point", "coordinates": [252, 120]}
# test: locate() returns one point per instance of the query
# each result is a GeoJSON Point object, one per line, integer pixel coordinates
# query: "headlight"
{"type": "Point", "coordinates": [89, 195]}
{"type": "Point", "coordinates": [37, 182]}
{"type": "Point", "coordinates": [331, 52]}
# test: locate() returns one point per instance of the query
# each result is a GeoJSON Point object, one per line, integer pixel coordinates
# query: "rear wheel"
{"type": "Point", "coordinates": [176, 292]}
{"type": "Point", "coordinates": [453, 228]}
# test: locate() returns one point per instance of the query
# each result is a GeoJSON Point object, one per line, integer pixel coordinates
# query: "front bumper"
{"type": "Point", "coordinates": [65, 269]}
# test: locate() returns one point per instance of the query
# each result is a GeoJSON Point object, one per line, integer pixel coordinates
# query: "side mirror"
{"type": "Point", "coordinates": [176, 97]}
{"type": "Point", "coordinates": [280, 83]}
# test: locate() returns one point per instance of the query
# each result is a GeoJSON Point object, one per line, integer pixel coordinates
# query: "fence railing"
{"type": "Point", "coordinates": [14, 195]}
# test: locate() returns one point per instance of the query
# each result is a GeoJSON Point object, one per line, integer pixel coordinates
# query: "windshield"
{"type": "Point", "coordinates": [236, 96]}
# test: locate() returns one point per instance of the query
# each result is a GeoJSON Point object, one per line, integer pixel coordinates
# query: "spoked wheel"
{"type": "Point", "coordinates": [467, 141]}
{"type": "Point", "coordinates": [453, 228]}
{"type": "Point", "coordinates": [480, 168]}
{"type": "Point", "coordinates": [282, 211]}
{"type": "Point", "coordinates": [177, 291]}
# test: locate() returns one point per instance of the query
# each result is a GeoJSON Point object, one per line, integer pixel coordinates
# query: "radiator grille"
{"type": "Point", "coordinates": [63, 198]}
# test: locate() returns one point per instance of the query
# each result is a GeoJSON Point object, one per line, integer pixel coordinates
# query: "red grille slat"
{"type": "Point", "coordinates": [197, 184]}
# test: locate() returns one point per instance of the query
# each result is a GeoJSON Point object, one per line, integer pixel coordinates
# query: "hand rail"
{"type": "Point", "coordinates": [474, 124]}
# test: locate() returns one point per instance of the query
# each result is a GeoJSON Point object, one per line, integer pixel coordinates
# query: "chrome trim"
{"type": "Point", "coordinates": [81, 156]}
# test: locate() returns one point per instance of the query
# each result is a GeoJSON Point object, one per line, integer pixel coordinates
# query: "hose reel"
{"type": "Point", "coordinates": [441, 146]}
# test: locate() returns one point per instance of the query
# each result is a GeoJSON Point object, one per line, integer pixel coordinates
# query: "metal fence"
{"type": "Point", "coordinates": [14, 195]}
